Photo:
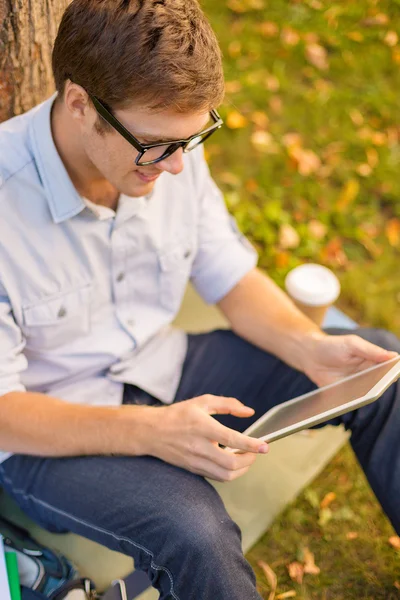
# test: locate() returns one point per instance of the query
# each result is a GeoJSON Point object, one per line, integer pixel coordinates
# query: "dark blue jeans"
{"type": "Point", "coordinates": [173, 523]}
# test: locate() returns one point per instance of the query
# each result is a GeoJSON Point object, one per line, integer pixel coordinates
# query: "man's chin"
{"type": "Point", "coordinates": [137, 188]}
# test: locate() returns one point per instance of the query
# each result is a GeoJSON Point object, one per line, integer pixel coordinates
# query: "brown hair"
{"type": "Point", "coordinates": [159, 53]}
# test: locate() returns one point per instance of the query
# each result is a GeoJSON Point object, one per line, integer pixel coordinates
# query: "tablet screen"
{"type": "Point", "coordinates": [321, 400]}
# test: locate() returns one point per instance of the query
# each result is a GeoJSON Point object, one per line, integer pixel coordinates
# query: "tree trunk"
{"type": "Point", "coordinates": [27, 32]}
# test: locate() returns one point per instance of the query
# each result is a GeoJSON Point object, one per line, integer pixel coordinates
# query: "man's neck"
{"type": "Point", "coordinates": [86, 178]}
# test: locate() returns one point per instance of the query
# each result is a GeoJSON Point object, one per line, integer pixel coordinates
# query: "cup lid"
{"type": "Point", "coordinates": [313, 285]}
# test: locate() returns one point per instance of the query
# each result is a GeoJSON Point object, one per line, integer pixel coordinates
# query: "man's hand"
{"type": "Point", "coordinates": [186, 435]}
{"type": "Point", "coordinates": [329, 358]}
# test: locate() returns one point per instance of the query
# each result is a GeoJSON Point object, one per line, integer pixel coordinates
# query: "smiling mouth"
{"type": "Point", "coordinates": [147, 178]}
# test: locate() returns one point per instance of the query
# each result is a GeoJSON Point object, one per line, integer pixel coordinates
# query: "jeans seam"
{"type": "Point", "coordinates": [95, 527]}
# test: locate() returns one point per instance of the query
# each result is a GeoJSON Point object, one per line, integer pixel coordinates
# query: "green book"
{"type": "Point", "coordinates": [13, 577]}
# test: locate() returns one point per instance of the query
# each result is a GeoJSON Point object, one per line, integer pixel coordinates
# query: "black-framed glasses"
{"type": "Point", "coordinates": [156, 151]}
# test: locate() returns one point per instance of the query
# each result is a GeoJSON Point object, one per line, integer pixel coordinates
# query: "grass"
{"type": "Point", "coordinates": [309, 162]}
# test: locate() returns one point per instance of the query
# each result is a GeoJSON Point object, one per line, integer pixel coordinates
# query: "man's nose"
{"type": "Point", "coordinates": [173, 164]}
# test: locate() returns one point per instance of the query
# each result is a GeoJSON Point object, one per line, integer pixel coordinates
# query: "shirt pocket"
{"type": "Point", "coordinates": [175, 264]}
{"type": "Point", "coordinates": [57, 320]}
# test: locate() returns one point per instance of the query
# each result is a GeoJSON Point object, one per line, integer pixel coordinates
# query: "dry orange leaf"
{"type": "Point", "coordinates": [272, 83]}
{"type": "Point", "coordinates": [289, 36]}
{"type": "Point", "coordinates": [328, 499]}
{"type": "Point", "coordinates": [260, 119]}
{"type": "Point", "coordinates": [376, 21]}
{"type": "Point", "coordinates": [397, 585]}
{"type": "Point", "coordinates": [351, 535]}
{"type": "Point", "coordinates": [306, 161]}
{"type": "Point", "coordinates": [317, 229]}
{"type": "Point", "coordinates": [317, 56]}
{"type": "Point", "coordinates": [348, 194]}
{"type": "Point", "coordinates": [296, 571]}
{"type": "Point", "coordinates": [395, 542]}
{"type": "Point", "coordinates": [364, 170]}
{"type": "Point", "coordinates": [271, 578]}
{"type": "Point", "coordinates": [235, 120]}
{"type": "Point", "coordinates": [391, 38]}
{"type": "Point", "coordinates": [356, 117]}
{"type": "Point", "coordinates": [372, 157]}
{"type": "Point", "coordinates": [334, 254]}
{"type": "Point", "coordinates": [288, 594]}
{"type": "Point", "coordinates": [262, 140]}
{"type": "Point", "coordinates": [356, 36]}
{"type": "Point", "coordinates": [288, 237]}
{"type": "Point", "coordinates": [393, 231]}
{"type": "Point", "coordinates": [232, 87]}
{"type": "Point", "coordinates": [309, 563]}
{"type": "Point", "coordinates": [268, 28]}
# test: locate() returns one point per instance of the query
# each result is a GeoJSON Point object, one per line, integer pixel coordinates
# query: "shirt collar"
{"type": "Point", "coordinates": [63, 198]}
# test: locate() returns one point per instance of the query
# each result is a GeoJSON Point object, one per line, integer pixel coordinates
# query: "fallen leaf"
{"type": "Point", "coordinates": [395, 542]}
{"type": "Point", "coordinates": [356, 117]}
{"type": "Point", "coordinates": [232, 87]}
{"type": "Point", "coordinates": [289, 36]}
{"type": "Point", "coordinates": [393, 231]}
{"type": "Point", "coordinates": [317, 56]}
{"type": "Point", "coordinates": [282, 260]}
{"type": "Point", "coordinates": [288, 237]}
{"type": "Point", "coordinates": [312, 497]}
{"type": "Point", "coordinates": [351, 535]}
{"type": "Point", "coordinates": [379, 138]}
{"type": "Point", "coordinates": [391, 38]}
{"type": "Point", "coordinates": [376, 21]}
{"type": "Point", "coordinates": [260, 119]}
{"type": "Point", "coordinates": [272, 83]}
{"type": "Point", "coordinates": [364, 170]}
{"type": "Point", "coordinates": [311, 37]}
{"type": "Point", "coordinates": [268, 28]}
{"type": "Point", "coordinates": [397, 585]}
{"type": "Point", "coordinates": [309, 564]}
{"type": "Point", "coordinates": [291, 139]}
{"type": "Point", "coordinates": [317, 229]}
{"type": "Point", "coordinates": [348, 194]}
{"type": "Point", "coordinates": [263, 141]}
{"type": "Point", "coordinates": [355, 36]}
{"type": "Point", "coordinates": [251, 185]}
{"type": "Point", "coordinates": [372, 157]}
{"type": "Point", "coordinates": [288, 594]}
{"type": "Point", "coordinates": [275, 104]}
{"type": "Point", "coordinates": [328, 499]}
{"type": "Point", "coordinates": [325, 514]}
{"type": "Point", "coordinates": [235, 49]}
{"type": "Point", "coordinates": [235, 120]}
{"type": "Point", "coordinates": [271, 578]}
{"type": "Point", "coordinates": [229, 178]}
{"type": "Point", "coordinates": [296, 571]}
{"type": "Point", "coordinates": [396, 56]}
{"type": "Point", "coordinates": [306, 161]}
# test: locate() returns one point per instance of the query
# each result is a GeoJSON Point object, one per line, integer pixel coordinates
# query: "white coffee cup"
{"type": "Point", "coordinates": [313, 288]}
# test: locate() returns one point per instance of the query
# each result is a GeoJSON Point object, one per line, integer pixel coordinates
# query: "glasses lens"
{"type": "Point", "coordinates": [153, 155]}
{"type": "Point", "coordinates": [194, 143]}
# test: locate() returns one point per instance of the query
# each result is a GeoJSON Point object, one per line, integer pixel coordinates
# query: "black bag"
{"type": "Point", "coordinates": [44, 574]}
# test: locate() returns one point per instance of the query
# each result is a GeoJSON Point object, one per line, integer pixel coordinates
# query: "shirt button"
{"type": "Point", "coordinates": [187, 253]}
{"type": "Point", "coordinates": [131, 322]}
{"type": "Point", "coordinates": [62, 312]}
{"type": "Point", "coordinates": [120, 276]}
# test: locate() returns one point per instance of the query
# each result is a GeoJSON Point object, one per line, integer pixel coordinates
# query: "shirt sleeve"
{"type": "Point", "coordinates": [224, 254]}
{"type": "Point", "coordinates": [12, 359]}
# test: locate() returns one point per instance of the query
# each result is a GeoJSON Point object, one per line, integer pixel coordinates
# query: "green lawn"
{"type": "Point", "coordinates": [309, 163]}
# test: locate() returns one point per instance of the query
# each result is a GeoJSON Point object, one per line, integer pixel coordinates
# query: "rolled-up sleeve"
{"type": "Point", "coordinates": [12, 359]}
{"type": "Point", "coordinates": [224, 254]}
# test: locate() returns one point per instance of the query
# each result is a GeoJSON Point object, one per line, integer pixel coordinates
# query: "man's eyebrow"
{"type": "Point", "coordinates": [151, 138]}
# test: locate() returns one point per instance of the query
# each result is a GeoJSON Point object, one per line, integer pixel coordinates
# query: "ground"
{"type": "Point", "coordinates": [308, 161]}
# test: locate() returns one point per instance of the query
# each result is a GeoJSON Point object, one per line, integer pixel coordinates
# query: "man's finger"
{"type": "Point", "coordinates": [233, 439]}
{"type": "Point", "coordinates": [220, 405]}
{"type": "Point", "coordinates": [369, 351]}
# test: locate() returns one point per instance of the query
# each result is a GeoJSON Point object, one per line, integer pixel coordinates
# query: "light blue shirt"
{"type": "Point", "coordinates": [87, 294]}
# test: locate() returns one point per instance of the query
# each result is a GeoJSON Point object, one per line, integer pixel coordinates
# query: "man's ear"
{"type": "Point", "coordinates": [76, 101]}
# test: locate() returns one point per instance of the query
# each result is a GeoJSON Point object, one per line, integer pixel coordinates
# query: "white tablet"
{"type": "Point", "coordinates": [326, 402]}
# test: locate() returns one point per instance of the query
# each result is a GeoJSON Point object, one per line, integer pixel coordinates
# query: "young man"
{"type": "Point", "coordinates": [106, 412]}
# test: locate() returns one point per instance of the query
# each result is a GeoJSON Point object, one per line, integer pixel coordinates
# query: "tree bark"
{"type": "Point", "coordinates": [27, 32]}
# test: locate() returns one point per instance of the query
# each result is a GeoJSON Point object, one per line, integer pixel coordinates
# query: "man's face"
{"type": "Point", "coordinates": [114, 157]}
